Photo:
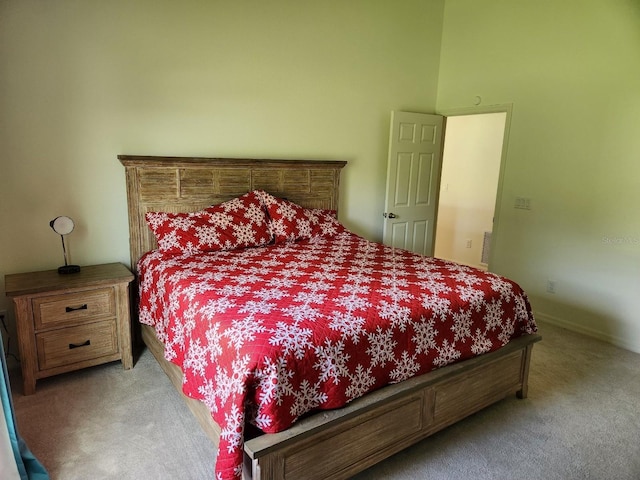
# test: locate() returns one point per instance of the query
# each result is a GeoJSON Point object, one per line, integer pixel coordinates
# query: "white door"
{"type": "Point", "coordinates": [413, 174]}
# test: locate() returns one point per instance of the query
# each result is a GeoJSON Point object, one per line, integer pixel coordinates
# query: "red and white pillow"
{"type": "Point", "coordinates": [238, 223]}
{"type": "Point", "coordinates": [290, 222]}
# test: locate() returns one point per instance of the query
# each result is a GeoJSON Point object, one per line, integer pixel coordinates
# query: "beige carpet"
{"type": "Point", "coordinates": [581, 421]}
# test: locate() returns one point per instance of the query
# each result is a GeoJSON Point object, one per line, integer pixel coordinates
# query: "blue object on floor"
{"type": "Point", "coordinates": [27, 465]}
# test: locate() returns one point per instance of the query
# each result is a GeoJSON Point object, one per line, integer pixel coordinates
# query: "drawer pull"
{"type": "Point", "coordinates": [73, 309]}
{"type": "Point", "coordinates": [78, 345]}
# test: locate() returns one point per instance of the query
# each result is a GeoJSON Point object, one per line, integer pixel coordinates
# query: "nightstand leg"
{"type": "Point", "coordinates": [26, 344]}
{"type": "Point", "coordinates": [124, 326]}
{"type": "Point", "coordinates": [28, 385]}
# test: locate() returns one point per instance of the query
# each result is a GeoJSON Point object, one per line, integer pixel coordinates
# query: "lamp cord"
{"type": "Point", "coordinates": [8, 353]}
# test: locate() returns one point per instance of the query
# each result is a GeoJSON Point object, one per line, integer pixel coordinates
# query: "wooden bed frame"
{"type": "Point", "coordinates": [368, 429]}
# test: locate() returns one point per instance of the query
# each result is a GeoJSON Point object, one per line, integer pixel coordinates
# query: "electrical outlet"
{"type": "Point", "coordinates": [468, 243]}
{"type": "Point", "coordinates": [551, 286]}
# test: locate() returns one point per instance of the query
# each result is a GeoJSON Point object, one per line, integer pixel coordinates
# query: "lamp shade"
{"type": "Point", "coordinates": [62, 225]}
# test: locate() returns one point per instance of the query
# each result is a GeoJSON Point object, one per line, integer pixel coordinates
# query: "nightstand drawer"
{"type": "Point", "coordinates": [72, 308]}
{"type": "Point", "coordinates": [76, 344]}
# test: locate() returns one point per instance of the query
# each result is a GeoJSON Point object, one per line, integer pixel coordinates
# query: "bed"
{"type": "Point", "coordinates": [372, 425]}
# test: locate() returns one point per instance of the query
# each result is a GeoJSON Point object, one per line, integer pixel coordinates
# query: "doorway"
{"type": "Point", "coordinates": [474, 146]}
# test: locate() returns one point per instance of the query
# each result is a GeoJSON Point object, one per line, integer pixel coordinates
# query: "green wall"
{"type": "Point", "coordinates": [571, 70]}
{"type": "Point", "coordinates": [83, 81]}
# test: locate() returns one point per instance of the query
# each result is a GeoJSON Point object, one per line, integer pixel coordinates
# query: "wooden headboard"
{"type": "Point", "coordinates": [188, 184]}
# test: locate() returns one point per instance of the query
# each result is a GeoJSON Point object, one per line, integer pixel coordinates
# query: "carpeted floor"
{"type": "Point", "coordinates": [581, 421]}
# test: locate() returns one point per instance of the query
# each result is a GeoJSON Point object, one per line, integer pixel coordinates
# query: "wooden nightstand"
{"type": "Point", "coordinates": [68, 322]}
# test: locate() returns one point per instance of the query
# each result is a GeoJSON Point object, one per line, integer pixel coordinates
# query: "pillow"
{"type": "Point", "coordinates": [237, 223]}
{"type": "Point", "coordinates": [291, 222]}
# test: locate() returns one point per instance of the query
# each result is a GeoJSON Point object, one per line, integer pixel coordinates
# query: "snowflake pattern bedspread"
{"type": "Point", "coordinates": [269, 334]}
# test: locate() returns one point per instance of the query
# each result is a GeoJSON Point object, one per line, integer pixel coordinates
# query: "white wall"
{"type": "Point", "coordinates": [468, 187]}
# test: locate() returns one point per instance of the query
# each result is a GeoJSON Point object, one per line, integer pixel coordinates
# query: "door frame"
{"type": "Point", "coordinates": [477, 110]}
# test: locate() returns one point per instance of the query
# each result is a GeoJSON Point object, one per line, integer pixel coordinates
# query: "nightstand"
{"type": "Point", "coordinates": [71, 321]}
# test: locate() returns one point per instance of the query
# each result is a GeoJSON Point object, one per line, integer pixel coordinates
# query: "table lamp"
{"type": "Point", "coordinates": [64, 226]}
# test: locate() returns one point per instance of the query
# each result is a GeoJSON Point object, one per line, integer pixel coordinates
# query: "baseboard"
{"type": "Point", "coordinates": [479, 266]}
{"type": "Point", "coordinates": [590, 332]}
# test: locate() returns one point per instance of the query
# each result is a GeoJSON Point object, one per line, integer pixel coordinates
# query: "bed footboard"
{"type": "Point", "coordinates": [377, 425]}
{"type": "Point", "coordinates": [382, 423]}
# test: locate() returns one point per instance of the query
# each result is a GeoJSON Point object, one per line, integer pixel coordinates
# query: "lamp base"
{"type": "Point", "coordinates": [69, 269]}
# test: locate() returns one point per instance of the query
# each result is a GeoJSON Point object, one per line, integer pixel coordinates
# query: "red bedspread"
{"type": "Point", "coordinates": [268, 334]}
